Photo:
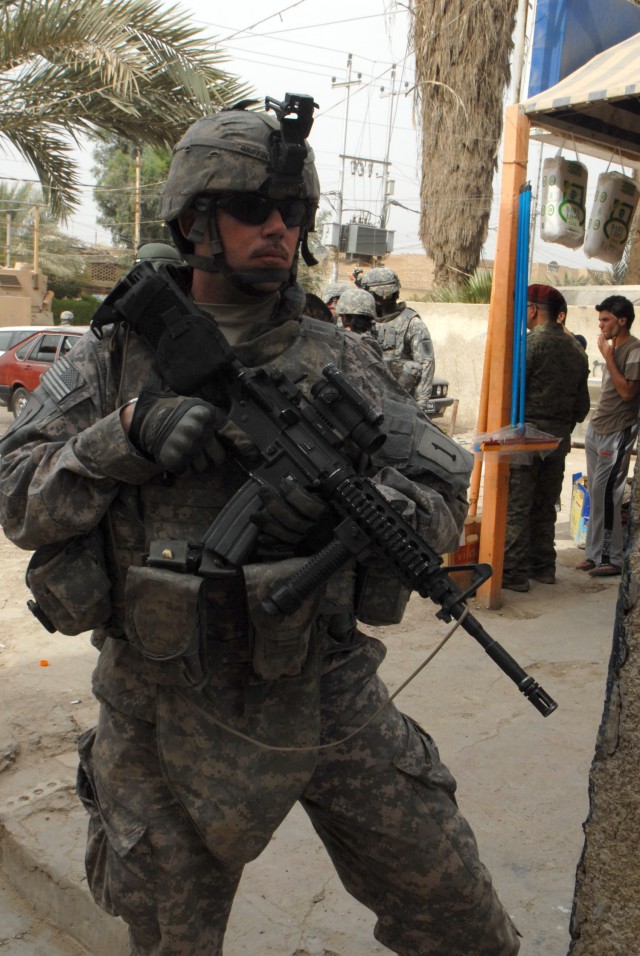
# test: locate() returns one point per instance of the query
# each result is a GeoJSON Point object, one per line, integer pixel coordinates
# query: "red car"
{"type": "Point", "coordinates": [22, 366]}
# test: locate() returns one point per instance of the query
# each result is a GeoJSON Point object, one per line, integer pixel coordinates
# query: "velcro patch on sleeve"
{"type": "Point", "coordinates": [61, 379]}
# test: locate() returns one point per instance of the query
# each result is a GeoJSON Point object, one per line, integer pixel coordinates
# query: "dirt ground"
{"type": "Point", "coordinates": [522, 778]}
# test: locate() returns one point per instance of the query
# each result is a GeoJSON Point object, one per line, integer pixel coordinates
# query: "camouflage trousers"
{"type": "Point", "coordinates": [382, 803]}
{"type": "Point", "coordinates": [534, 489]}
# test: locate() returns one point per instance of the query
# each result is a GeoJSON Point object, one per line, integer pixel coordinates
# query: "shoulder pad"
{"type": "Point", "coordinates": [415, 444]}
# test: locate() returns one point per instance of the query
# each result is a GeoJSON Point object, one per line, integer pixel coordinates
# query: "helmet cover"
{"type": "Point", "coordinates": [356, 301]}
{"type": "Point", "coordinates": [381, 282]}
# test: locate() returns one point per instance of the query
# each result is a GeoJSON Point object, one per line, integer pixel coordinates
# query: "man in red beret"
{"type": "Point", "coordinates": [556, 398]}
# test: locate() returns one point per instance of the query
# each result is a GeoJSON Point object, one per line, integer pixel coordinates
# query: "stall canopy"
{"type": "Point", "coordinates": [596, 110]}
{"type": "Point", "coordinates": [597, 106]}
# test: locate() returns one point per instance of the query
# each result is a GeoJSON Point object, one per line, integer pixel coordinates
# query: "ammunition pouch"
{"type": "Point", "coordinates": [381, 599]}
{"type": "Point", "coordinates": [70, 585]}
{"type": "Point", "coordinates": [166, 621]}
{"type": "Point", "coordinates": [280, 645]}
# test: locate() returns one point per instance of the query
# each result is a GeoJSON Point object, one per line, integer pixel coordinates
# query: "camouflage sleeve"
{"type": "Point", "coordinates": [416, 459]}
{"type": "Point", "coordinates": [419, 340]}
{"type": "Point", "coordinates": [63, 459]}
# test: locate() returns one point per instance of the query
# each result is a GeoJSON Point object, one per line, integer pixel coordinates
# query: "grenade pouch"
{"type": "Point", "coordinates": [166, 622]}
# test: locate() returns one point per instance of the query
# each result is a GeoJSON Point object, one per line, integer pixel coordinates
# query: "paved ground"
{"type": "Point", "coordinates": [522, 778]}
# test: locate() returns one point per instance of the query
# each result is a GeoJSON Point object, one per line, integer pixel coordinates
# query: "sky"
{"type": "Point", "coordinates": [303, 46]}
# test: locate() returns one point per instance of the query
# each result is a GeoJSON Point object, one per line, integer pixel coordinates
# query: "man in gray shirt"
{"type": "Point", "coordinates": [610, 436]}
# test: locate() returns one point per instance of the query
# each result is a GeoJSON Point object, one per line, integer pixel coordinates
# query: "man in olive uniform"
{"type": "Point", "coordinates": [556, 399]}
{"type": "Point", "coordinates": [215, 717]}
{"type": "Point", "coordinates": [403, 335]}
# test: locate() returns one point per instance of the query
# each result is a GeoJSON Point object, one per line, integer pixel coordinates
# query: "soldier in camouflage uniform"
{"type": "Point", "coordinates": [215, 720]}
{"type": "Point", "coordinates": [403, 335]}
{"type": "Point", "coordinates": [331, 293]}
{"type": "Point", "coordinates": [556, 399]}
{"type": "Point", "coordinates": [356, 310]}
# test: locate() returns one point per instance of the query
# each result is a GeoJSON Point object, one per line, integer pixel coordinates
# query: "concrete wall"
{"type": "Point", "coordinates": [459, 334]}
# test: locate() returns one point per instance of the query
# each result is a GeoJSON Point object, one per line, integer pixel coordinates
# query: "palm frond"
{"type": "Point", "coordinates": [132, 68]}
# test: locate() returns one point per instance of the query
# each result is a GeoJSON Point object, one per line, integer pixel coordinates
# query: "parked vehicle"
{"type": "Point", "coordinates": [11, 335]}
{"type": "Point", "coordinates": [22, 365]}
{"type": "Point", "coordinates": [439, 400]}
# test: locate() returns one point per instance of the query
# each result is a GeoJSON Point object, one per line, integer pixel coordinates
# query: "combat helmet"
{"type": "Point", "coordinates": [356, 302]}
{"type": "Point", "coordinates": [158, 253]}
{"type": "Point", "coordinates": [236, 151]}
{"type": "Point", "coordinates": [333, 291]}
{"type": "Point", "coordinates": [357, 308]}
{"type": "Point", "coordinates": [381, 282]}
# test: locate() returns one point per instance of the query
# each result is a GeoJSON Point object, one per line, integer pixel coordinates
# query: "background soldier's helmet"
{"type": "Point", "coordinates": [158, 253]}
{"type": "Point", "coordinates": [231, 151]}
{"type": "Point", "coordinates": [382, 282]}
{"type": "Point", "coordinates": [356, 302]}
{"type": "Point", "coordinates": [333, 291]}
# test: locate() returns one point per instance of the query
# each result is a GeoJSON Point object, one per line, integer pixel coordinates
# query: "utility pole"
{"type": "Point", "coordinates": [387, 185]}
{"type": "Point", "coordinates": [36, 240]}
{"type": "Point", "coordinates": [348, 83]}
{"type": "Point", "coordinates": [385, 168]}
{"type": "Point", "coordinates": [8, 253]}
{"type": "Point", "coordinates": [136, 198]}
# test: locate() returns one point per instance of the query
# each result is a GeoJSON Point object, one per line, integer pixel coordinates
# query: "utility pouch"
{"type": "Point", "coordinates": [381, 598]}
{"type": "Point", "coordinates": [70, 585]}
{"type": "Point", "coordinates": [166, 621]}
{"type": "Point", "coordinates": [280, 645]}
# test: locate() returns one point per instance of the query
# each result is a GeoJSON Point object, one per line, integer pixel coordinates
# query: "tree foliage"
{"type": "Point", "coordinates": [130, 68]}
{"type": "Point", "coordinates": [462, 54]}
{"type": "Point", "coordinates": [60, 257]}
{"type": "Point", "coordinates": [114, 195]}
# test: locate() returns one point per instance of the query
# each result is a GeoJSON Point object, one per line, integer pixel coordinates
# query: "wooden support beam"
{"type": "Point", "coordinates": [500, 345]}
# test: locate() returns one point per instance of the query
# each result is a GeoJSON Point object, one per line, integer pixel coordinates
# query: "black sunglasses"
{"type": "Point", "coordinates": [254, 209]}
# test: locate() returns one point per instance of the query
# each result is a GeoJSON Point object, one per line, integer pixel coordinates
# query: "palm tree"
{"type": "Point", "coordinates": [68, 68]}
{"type": "Point", "coordinates": [462, 53]}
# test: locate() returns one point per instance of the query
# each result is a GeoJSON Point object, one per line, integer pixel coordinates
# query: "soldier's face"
{"type": "Point", "coordinates": [268, 245]}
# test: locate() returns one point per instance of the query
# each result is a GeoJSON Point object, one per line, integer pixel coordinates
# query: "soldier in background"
{"type": "Point", "coordinates": [158, 254]}
{"type": "Point", "coordinates": [331, 293]}
{"type": "Point", "coordinates": [356, 310]}
{"type": "Point", "coordinates": [404, 337]}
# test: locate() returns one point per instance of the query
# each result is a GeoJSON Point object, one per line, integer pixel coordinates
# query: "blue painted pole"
{"type": "Point", "coordinates": [518, 378]}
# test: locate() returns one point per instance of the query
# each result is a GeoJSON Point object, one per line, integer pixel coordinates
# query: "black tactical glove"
{"type": "Point", "coordinates": [176, 431]}
{"type": "Point", "coordinates": [286, 520]}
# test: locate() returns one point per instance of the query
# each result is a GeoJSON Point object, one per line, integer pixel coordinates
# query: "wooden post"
{"type": "Point", "coordinates": [500, 343]}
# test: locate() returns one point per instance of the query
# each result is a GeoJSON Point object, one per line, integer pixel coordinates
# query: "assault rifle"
{"type": "Point", "coordinates": [299, 439]}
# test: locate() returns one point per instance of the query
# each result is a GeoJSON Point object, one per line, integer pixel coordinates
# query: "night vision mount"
{"type": "Point", "coordinates": [289, 150]}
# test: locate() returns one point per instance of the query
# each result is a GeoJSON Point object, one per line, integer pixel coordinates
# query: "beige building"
{"type": "Point", "coordinates": [24, 299]}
